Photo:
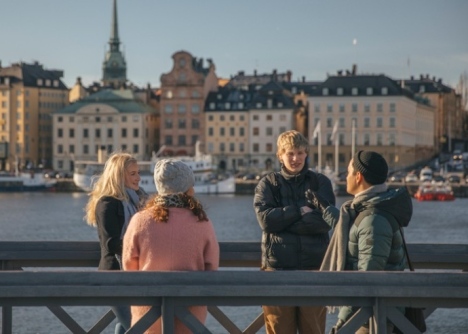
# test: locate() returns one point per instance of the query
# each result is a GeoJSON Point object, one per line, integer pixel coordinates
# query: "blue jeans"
{"type": "Point", "coordinates": [122, 312]}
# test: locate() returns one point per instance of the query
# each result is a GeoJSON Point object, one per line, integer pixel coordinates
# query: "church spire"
{"type": "Point", "coordinates": [114, 68]}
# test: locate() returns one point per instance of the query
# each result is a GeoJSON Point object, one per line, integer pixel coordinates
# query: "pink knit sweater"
{"type": "Point", "coordinates": [183, 243]}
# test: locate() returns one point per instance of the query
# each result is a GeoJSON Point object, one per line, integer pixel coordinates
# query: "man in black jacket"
{"type": "Point", "coordinates": [294, 237]}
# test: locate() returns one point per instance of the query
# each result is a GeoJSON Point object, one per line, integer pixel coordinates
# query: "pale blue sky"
{"type": "Point", "coordinates": [311, 38]}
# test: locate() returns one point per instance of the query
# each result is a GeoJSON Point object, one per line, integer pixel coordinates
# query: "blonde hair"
{"type": "Point", "coordinates": [110, 183]}
{"type": "Point", "coordinates": [291, 139]}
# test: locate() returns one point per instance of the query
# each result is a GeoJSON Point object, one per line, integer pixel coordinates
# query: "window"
{"type": "Point", "coordinates": [232, 118]}
{"type": "Point", "coordinates": [329, 107]}
{"type": "Point", "coordinates": [255, 148]}
{"type": "Point", "coordinates": [242, 132]}
{"type": "Point", "coordinates": [391, 139]}
{"type": "Point", "coordinates": [98, 119]}
{"type": "Point", "coordinates": [329, 122]}
{"type": "Point", "coordinates": [255, 117]}
{"type": "Point", "coordinates": [269, 131]}
{"type": "Point", "coordinates": [85, 133]}
{"type": "Point", "coordinates": [210, 118]}
{"type": "Point", "coordinates": [317, 107]}
{"type": "Point", "coordinates": [366, 139]}
{"type": "Point", "coordinates": [392, 107]}
{"type": "Point", "coordinates": [195, 109]}
{"type": "Point", "coordinates": [60, 119]}
{"type": "Point", "coordinates": [168, 108]}
{"type": "Point", "coordinates": [392, 122]}
{"type": "Point", "coordinates": [366, 122]}
{"type": "Point", "coordinates": [60, 133]}
{"type": "Point", "coordinates": [168, 140]}
{"type": "Point", "coordinates": [221, 147]}
{"type": "Point", "coordinates": [124, 118]}
{"type": "Point", "coordinates": [182, 93]}
{"type": "Point", "coordinates": [231, 147]}
{"type": "Point", "coordinates": [342, 122]}
{"type": "Point", "coordinates": [135, 133]}
{"type": "Point", "coordinates": [232, 132]}
{"type": "Point", "coordinates": [241, 117]}
{"type": "Point", "coordinates": [325, 91]}
{"type": "Point", "coordinates": [168, 123]}
{"type": "Point", "coordinates": [379, 139]}
{"type": "Point", "coordinates": [124, 147]}
{"type": "Point", "coordinates": [181, 140]}
{"type": "Point", "coordinates": [369, 91]}
{"type": "Point", "coordinates": [124, 133]}
{"type": "Point", "coordinates": [109, 133]}
{"type": "Point", "coordinates": [194, 139]}
{"type": "Point", "coordinates": [181, 109]}
{"type": "Point", "coordinates": [269, 147]}
{"type": "Point", "coordinates": [221, 131]}
{"type": "Point", "coordinates": [384, 91]}
{"type": "Point", "coordinates": [195, 93]}
{"type": "Point", "coordinates": [182, 123]}
{"type": "Point", "coordinates": [195, 124]}
{"type": "Point", "coordinates": [97, 133]}
{"type": "Point", "coordinates": [256, 131]}
{"type": "Point", "coordinates": [60, 148]}
{"type": "Point", "coordinates": [282, 118]}
{"type": "Point", "coordinates": [269, 117]}
{"type": "Point", "coordinates": [367, 107]}
{"type": "Point", "coordinates": [210, 132]}
{"type": "Point", "coordinates": [339, 91]}
{"type": "Point", "coordinates": [354, 91]}
{"type": "Point", "coordinates": [212, 105]}
{"type": "Point", "coordinates": [71, 133]}
{"type": "Point", "coordinates": [241, 147]}
{"type": "Point", "coordinates": [379, 107]}
{"type": "Point", "coordinates": [227, 105]}
{"type": "Point", "coordinates": [342, 107]}
{"type": "Point", "coordinates": [379, 122]}
{"type": "Point", "coordinates": [240, 105]}
{"type": "Point", "coordinates": [71, 149]}
{"type": "Point", "coordinates": [135, 148]}
{"type": "Point", "coordinates": [354, 107]}
{"type": "Point", "coordinates": [258, 105]}
{"type": "Point", "coordinates": [85, 149]}
{"type": "Point", "coordinates": [221, 118]}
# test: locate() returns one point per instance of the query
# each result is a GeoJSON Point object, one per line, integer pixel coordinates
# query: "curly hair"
{"type": "Point", "coordinates": [159, 209]}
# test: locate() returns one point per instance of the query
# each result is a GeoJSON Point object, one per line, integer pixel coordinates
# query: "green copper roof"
{"type": "Point", "coordinates": [122, 100]}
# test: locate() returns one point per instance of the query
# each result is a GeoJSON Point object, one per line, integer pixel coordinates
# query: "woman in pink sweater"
{"type": "Point", "coordinates": [173, 233]}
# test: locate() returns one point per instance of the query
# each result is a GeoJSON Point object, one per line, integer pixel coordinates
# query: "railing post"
{"type": "Point", "coordinates": [167, 316]}
{"type": "Point", "coordinates": [7, 319]}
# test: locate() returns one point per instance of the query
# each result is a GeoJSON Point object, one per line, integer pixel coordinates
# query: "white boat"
{"type": "Point", "coordinates": [29, 180]}
{"type": "Point", "coordinates": [207, 181]}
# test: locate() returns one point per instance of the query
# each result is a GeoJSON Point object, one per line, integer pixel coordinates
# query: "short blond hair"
{"type": "Point", "coordinates": [291, 139]}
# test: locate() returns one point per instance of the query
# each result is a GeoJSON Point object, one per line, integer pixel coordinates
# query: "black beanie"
{"type": "Point", "coordinates": [372, 166]}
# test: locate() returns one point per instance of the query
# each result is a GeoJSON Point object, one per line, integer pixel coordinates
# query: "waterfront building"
{"type": "Point", "coordinates": [449, 111]}
{"type": "Point", "coordinates": [388, 119]}
{"type": "Point", "coordinates": [227, 124]}
{"type": "Point", "coordinates": [183, 93]}
{"type": "Point", "coordinates": [29, 94]}
{"type": "Point", "coordinates": [111, 120]}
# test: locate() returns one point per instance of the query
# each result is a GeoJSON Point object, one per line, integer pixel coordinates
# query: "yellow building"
{"type": "Point", "coordinates": [28, 96]}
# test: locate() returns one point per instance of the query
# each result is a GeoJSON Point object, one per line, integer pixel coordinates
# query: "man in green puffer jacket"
{"type": "Point", "coordinates": [367, 235]}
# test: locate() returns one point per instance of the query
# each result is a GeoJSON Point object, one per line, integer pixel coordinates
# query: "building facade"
{"type": "Point", "coordinates": [183, 93]}
{"type": "Point", "coordinates": [387, 118]}
{"type": "Point", "coordinates": [29, 94]}
{"type": "Point", "coordinates": [112, 120]}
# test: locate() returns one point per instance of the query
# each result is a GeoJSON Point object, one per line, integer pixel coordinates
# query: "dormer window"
{"type": "Point", "coordinates": [384, 90]}
{"type": "Point", "coordinates": [269, 103]}
{"type": "Point", "coordinates": [294, 90]}
{"type": "Point", "coordinates": [354, 91]}
{"type": "Point", "coordinates": [182, 77]}
{"type": "Point", "coordinates": [47, 82]}
{"type": "Point", "coordinates": [212, 105]}
{"type": "Point", "coordinates": [227, 105]}
{"type": "Point", "coordinates": [182, 62]}
{"type": "Point", "coordinates": [219, 96]}
{"type": "Point", "coordinates": [339, 91]}
{"type": "Point", "coordinates": [259, 105]}
{"type": "Point", "coordinates": [325, 91]}
{"type": "Point", "coordinates": [369, 91]}
{"type": "Point", "coordinates": [422, 89]}
{"type": "Point", "coordinates": [240, 105]}
{"type": "Point", "coordinates": [39, 82]}
{"type": "Point", "coordinates": [56, 83]}
{"type": "Point", "coordinates": [280, 104]}
{"type": "Point", "coordinates": [270, 92]}
{"type": "Point", "coordinates": [241, 97]}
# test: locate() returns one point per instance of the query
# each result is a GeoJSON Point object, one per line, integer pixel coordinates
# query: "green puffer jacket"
{"type": "Point", "coordinates": [375, 243]}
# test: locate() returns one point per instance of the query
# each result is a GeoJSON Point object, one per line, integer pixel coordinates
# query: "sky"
{"type": "Point", "coordinates": [311, 38]}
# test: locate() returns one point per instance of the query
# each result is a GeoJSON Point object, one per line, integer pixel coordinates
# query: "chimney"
{"type": "Point", "coordinates": [354, 69]}
{"type": "Point", "coordinates": [303, 78]}
{"type": "Point", "coordinates": [412, 77]}
{"type": "Point", "coordinates": [339, 73]}
{"type": "Point", "coordinates": [289, 75]}
{"type": "Point", "coordinates": [255, 73]}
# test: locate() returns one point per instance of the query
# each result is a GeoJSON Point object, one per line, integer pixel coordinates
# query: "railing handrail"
{"type": "Point", "coordinates": [233, 254]}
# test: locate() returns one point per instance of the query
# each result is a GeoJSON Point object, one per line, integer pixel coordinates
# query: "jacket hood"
{"type": "Point", "coordinates": [396, 202]}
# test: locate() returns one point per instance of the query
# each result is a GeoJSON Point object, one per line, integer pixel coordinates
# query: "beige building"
{"type": "Point", "coordinates": [115, 120]}
{"type": "Point", "coordinates": [183, 93]}
{"type": "Point", "coordinates": [449, 110]}
{"type": "Point", "coordinates": [388, 119]}
{"type": "Point", "coordinates": [28, 96]}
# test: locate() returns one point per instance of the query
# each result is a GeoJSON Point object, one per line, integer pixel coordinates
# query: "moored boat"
{"type": "Point", "coordinates": [28, 180]}
{"type": "Point", "coordinates": [434, 192]}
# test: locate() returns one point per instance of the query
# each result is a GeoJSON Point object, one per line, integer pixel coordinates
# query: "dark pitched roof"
{"type": "Point", "coordinates": [430, 85]}
{"type": "Point", "coordinates": [30, 73]}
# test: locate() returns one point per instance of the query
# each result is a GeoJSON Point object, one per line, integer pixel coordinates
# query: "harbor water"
{"type": "Point", "coordinates": [59, 217]}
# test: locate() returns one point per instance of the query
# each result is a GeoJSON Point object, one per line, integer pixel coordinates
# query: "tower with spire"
{"type": "Point", "coordinates": [114, 67]}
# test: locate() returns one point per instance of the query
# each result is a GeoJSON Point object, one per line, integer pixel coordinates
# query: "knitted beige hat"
{"type": "Point", "coordinates": [172, 176]}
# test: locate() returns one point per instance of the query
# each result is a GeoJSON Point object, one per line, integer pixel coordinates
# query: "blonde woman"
{"type": "Point", "coordinates": [173, 233]}
{"type": "Point", "coordinates": [114, 199]}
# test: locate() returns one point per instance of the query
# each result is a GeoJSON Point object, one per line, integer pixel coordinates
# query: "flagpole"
{"type": "Point", "coordinates": [319, 168]}
{"type": "Point", "coordinates": [336, 157]}
{"type": "Point", "coordinates": [353, 139]}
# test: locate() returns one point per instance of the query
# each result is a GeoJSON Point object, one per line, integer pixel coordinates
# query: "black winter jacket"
{"type": "Point", "coordinates": [290, 240]}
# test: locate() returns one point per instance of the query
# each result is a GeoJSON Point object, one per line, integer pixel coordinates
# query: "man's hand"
{"type": "Point", "coordinates": [316, 201]}
{"type": "Point", "coordinates": [338, 325]}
